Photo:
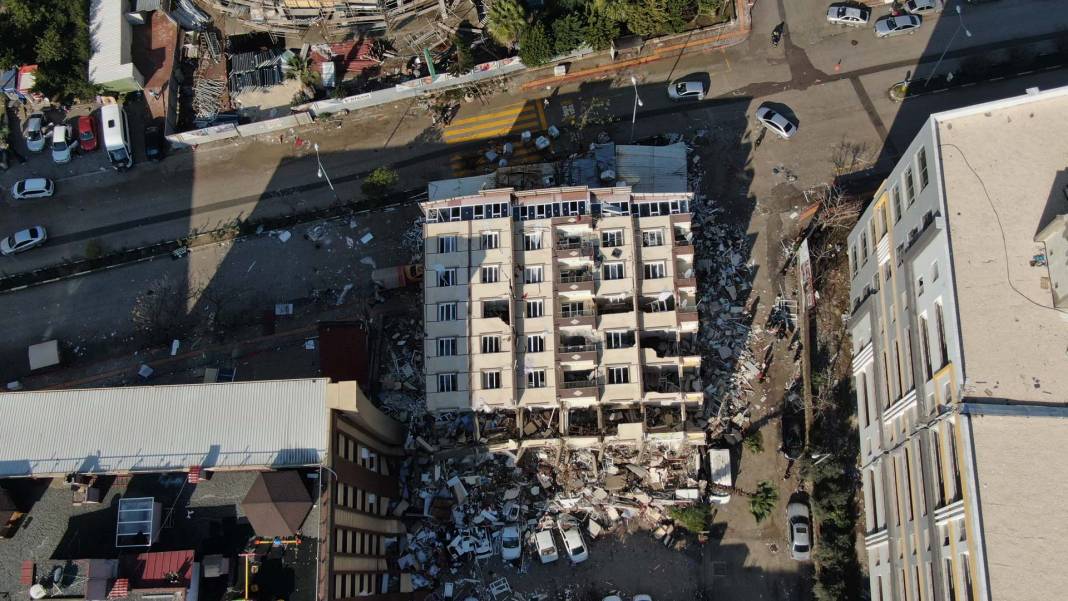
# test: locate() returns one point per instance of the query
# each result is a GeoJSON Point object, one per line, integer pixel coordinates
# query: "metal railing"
{"type": "Point", "coordinates": [576, 348]}
{"type": "Point", "coordinates": [579, 384]}
{"type": "Point", "coordinates": [570, 277]}
{"type": "Point", "coordinates": [688, 309]}
{"type": "Point", "coordinates": [572, 243]}
{"type": "Point", "coordinates": [576, 312]}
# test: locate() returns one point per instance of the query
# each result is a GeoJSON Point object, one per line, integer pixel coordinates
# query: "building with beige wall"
{"type": "Point", "coordinates": [959, 341]}
{"type": "Point", "coordinates": [574, 300]}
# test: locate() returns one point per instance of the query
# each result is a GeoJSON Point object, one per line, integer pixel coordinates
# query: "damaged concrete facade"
{"type": "Point", "coordinates": [563, 314]}
{"type": "Point", "coordinates": [957, 339]}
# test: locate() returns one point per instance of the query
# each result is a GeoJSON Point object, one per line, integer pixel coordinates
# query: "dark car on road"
{"type": "Point", "coordinates": [793, 426]}
{"type": "Point", "coordinates": [155, 143]}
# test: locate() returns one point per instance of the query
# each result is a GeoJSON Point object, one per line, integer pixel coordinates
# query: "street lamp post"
{"type": "Point", "coordinates": [637, 103]}
{"type": "Point", "coordinates": [955, 34]}
{"type": "Point", "coordinates": [322, 172]}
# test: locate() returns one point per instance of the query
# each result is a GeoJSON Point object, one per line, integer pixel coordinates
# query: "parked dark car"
{"type": "Point", "coordinates": [793, 426]}
{"type": "Point", "coordinates": [155, 143]}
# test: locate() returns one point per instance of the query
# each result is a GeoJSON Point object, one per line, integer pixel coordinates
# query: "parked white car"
{"type": "Point", "coordinates": [511, 543]}
{"type": "Point", "coordinates": [778, 124]}
{"type": "Point", "coordinates": [568, 528]}
{"type": "Point", "coordinates": [34, 187]}
{"type": "Point", "coordinates": [899, 25]}
{"type": "Point", "coordinates": [61, 144]}
{"type": "Point", "coordinates": [543, 540]}
{"type": "Point", "coordinates": [841, 14]}
{"type": "Point", "coordinates": [921, 7]}
{"type": "Point", "coordinates": [35, 132]}
{"type": "Point", "coordinates": [23, 240]}
{"type": "Point", "coordinates": [686, 90]}
{"type": "Point", "coordinates": [799, 531]}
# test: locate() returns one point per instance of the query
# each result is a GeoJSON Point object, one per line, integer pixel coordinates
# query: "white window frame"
{"type": "Point", "coordinates": [536, 378]}
{"type": "Point", "coordinates": [614, 339]}
{"type": "Point", "coordinates": [447, 277]}
{"type": "Point", "coordinates": [536, 343]}
{"type": "Point", "coordinates": [654, 270]}
{"type": "Point", "coordinates": [447, 244]}
{"type": "Point", "coordinates": [539, 303]}
{"type": "Point", "coordinates": [447, 346]}
{"type": "Point", "coordinates": [492, 237]}
{"type": "Point", "coordinates": [612, 238]}
{"type": "Point", "coordinates": [491, 343]}
{"type": "Point", "coordinates": [490, 274]}
{"type": "Point", "coordinates": [533, 274]}
{"type": "Point", "coordinates": [618, 374]}
{"type": "Point", "coordinates": [613, 271]}
{"type": "Point", "coordinates": [491, 379]}
{"type": "Point", "coordinates": [658, 306]}
{"type": "Point", "coordinates": [533, 240]}
{"type": "Point", "coordinates": [910, 187]}
{"type": "Point", "coordinates": [447, 311]}
{"type": "Point", "coordinates": [449, 382]}
{"type": "Point", "coordinates": [652, 238]}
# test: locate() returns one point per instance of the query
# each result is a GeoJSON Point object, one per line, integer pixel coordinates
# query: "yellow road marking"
{"type": "Point", "coordinates": [541, 116]}
{"type": "Point", "coordinates": [725, 59]}
{"type": "Point", "coordinates": [495, 124]}
{"type": "Point", "coordinates": [512, 108]}
{"type": "Point", "coordinates": [489, 133]}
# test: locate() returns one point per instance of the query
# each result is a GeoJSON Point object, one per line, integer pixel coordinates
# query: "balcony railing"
{"type": "Point", "coordinates": [568, 313]}
{"type": "Point", "coordinates": [576, 348]}
{"type": "Point", "coordinates": [689, 309]}
{"type": "Point", "coordinates": [579, 384]}
{"type": "Point", "coordinates": [573, 243]}
{"type": "Point", "coordinates": [571, 277]}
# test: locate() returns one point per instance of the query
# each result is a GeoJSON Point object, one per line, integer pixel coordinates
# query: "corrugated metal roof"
{"type": "Point", "coordinates": [652, 168]}
{"type": "Point", "coordinates": [278, 423]}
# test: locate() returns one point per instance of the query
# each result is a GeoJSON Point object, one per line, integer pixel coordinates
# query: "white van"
{"type": "Point", "coordinates": [719, 466]}
{"type": "Point", "coordinates": [116, 136]}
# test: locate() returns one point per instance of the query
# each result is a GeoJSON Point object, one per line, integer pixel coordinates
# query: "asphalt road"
{"type": "Point", "coordinates": [209, 187]}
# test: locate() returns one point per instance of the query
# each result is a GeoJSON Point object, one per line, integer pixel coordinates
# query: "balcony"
{"type": "Point", "coordinates": [684, 274]}
{"type": "Point", "coordinates": [576, 348]}
{"type": "Point", "coordinates": [576, 280]}
{"type": "Point", "coordinates": [575, 314]}
{"type": "Point", "coordinates": [574, 247]}
{"type": "Point", "coordinates": [577, 384]}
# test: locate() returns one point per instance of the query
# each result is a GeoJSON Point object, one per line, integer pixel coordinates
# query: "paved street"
{"type": "Point", "coordinates": [250, 179]}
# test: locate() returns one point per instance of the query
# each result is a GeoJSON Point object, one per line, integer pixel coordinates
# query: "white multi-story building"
{"type": "Point", "coordinates": [960, 357]}
{"type": "Point", "coordinates": [573, 300]}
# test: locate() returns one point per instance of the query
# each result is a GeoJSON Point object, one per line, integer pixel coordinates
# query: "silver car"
{"type": "Point", "coordinates": [686, 90]}
{"type": "Point", "coordinates": [921, 7]}
{"type": "Point", "coordinates": [61, 144]}
{"type": "Point", "coordinates": [900, 25]}
{"type": "Point", "coordinates": [35, 132]}
{"type": "Point", "coordinates": [799, 529]}
{"type": "Point", "coordinates": [840, 14]}
{"type": "Point", "coordinates": [778, 124]}
{"type": "Point", "coordinates": [23, 240]}
{"type": "Point", "coordinates": [34, 187]}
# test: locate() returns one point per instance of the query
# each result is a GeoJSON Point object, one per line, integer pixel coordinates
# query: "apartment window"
{"type": "Point", "coordinates": [535, 308]}
{"type": "Point", "coordinates": [571, 309]}
{"type": "Point", "coordinates": [884, 220]}
{"type": "Point", "coordinates": [921, 158]}
{"type": "Point", "coordinates": [908, 482]}
{"type": "Point", "coordinates": [533, 274]}
{"type": "Point", "coordinates": [653, 238]}
{"type": "Point", "coordinates": [943, 352]}
{"type": "Point", "coordinates": [925, 347]}
{"type": "Point", "coordinates": [853, 260]}
{"type": "Point", "coordinates": [491, 380]}
{"type": "Point", "coordinates": [862, 395]}
{"type": "Point", "coordinates": [491, 240]}
{"type": "Point", "coordinates": [447, 382]}
{"type": "Point", "coordinates": [612, 238]}
{"type": "Point", "coordinates": [934, 271]}
{"type": "Point", "coordinates": [491, 344]}
{"type": "Point", "coordinates": [919, 286]}
{"type": "Point", "coordinates": [532, 241]}
{"type": "Point", "coordinates": [940, 478]}
{"type": "Point", "coordinates": [951, 585]}
{"type": "Point", "coordinates": [446, 311]}
{"type": "Point", "coordinates": [910, 187]}
{"type": "Point", "coordinates": [447, 277]}
{"type": "Point", "coordinates": [446, 244]}
{"type": "Point", "coordinates": [536, 378]}
{"type": "Point", "coordinates": [446, 347]}
{"type": "Point", "coordinates": [536, 343]}
{"type": "Point", "coordinates": [655, 270]}
{"type": "Point", "coordinates": [618, 375]}
{"type": "Point", "coordinates": [491, 274]}
{"type": "Point", "coordinates": [617, 339]}
{"type": "Point", "coordinates": [895, 199]}
{"type": "Point", "coordinates": [864, 246]}
{"type": "Point", "coordinates": [659, 306]}
{"type": "Point", "coordinates": [612, 271]}
{"type": "Point", "coordinates": [900, 369]}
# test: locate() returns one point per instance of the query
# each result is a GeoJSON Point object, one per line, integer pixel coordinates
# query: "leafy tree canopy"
{"type": "Point", "coordinates": [54, 34]}
{"type": "Point", "coordinates": [535, 47]}
{"type": "Point", "coordinates": [506, 21]}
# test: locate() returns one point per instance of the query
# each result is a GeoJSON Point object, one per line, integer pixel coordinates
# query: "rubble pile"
{"type": "Point", "coordinates": [400, 382]}
{"type": "Point", "coordinates": [468, 504]}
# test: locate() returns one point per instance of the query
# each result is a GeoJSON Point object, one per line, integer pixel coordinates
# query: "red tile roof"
{"type": "Point", "coordinates": [152, 570]}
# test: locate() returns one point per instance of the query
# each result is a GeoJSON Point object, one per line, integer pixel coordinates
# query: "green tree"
{"type": "Point", "coordinates": [464, 60]}
{"type": "Point", "coordinates": [680, 13]}
{"type": "Point", "coordinates": [506, 21]}
{"type": "Point", "coordinates": [569, 32]}
{"type": "Point", "coordinates": [754, 442]}
{"type": "Point", "coordinates": [535, 47]}
{"type": "Point", "coordinates": [693, 518]}
{"type": "Point", "coordinates": [378, 184]}
{"type": "Point", "coordinates": [601, 30]}
{"type": "Point", "coordinates": [711, 8]}
{"type": "Point", "coordinates": [762, 503]}
{"type": "Point", "coordinates": [300, 68]}
{"type": "Point", "coordinates": [643, 17]}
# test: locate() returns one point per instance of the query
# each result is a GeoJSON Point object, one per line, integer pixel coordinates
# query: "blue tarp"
{"type": "Point", "coordinates": [9, 81]}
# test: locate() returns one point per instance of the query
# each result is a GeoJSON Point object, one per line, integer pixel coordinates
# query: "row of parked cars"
{"type": "Point", "coordinates": [888, 26]}
{"type": "Point", "coordinates": [82, 135]}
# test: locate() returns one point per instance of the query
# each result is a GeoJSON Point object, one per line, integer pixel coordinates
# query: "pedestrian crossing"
{"type": "Point", "coordinates": [476, 163]}
{"type": "Point", "coordinates": [508, 120]}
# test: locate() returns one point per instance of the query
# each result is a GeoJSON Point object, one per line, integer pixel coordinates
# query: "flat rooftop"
{"type": "Point", "coordinates": [206, 517]}
{"type": "Point", "coordinates": [1004, 167]}
{"type": "Point", "coordinates": [271, 423]}
{"type": "Point", "coordinates": [1020, 476]}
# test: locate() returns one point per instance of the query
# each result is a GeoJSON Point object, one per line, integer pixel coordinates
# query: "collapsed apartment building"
{"type": "Point", "coordinates": [564, 315]}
